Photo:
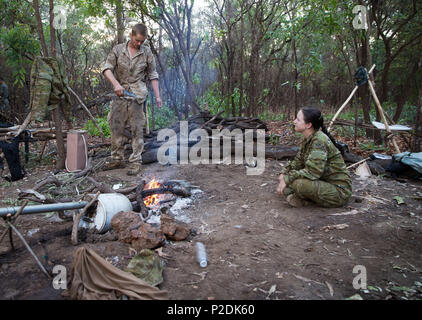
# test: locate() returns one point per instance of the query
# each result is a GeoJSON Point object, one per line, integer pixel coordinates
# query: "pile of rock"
{"type": "Point", "coordinates": [130, 228]}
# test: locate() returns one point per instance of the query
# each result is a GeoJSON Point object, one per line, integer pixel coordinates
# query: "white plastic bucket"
{"type": "Point", "coordinates": [108, 205]}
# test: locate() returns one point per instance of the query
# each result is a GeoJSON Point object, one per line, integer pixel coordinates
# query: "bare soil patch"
{"type": "Point", "coordinates": [254, 240]}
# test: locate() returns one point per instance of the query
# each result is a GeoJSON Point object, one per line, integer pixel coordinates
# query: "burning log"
{"type": "Point", "coordinates": [177, 191]}
{"type": "Point", "coordinates": [140, 199]}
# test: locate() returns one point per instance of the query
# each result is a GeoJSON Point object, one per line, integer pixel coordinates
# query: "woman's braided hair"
{"type": "Point", "coordinates": [314, 116]}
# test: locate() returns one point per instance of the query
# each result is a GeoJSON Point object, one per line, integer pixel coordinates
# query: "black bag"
{"type": "Point", "coordinates": [11, 153]}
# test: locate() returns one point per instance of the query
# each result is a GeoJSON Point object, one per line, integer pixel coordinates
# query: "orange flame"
{"type": "Point", "coordinates": [154, 198]}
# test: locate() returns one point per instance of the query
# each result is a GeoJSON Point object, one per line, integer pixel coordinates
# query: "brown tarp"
{"type": "Point", "coordinates": [93, 278]}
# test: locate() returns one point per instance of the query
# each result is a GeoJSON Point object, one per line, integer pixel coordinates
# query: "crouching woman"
{"type": "Point", "coordinates": [318, 173]}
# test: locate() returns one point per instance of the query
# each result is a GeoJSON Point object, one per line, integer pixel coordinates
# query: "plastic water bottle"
{"type": "Point", "coordinates": [201, 254]}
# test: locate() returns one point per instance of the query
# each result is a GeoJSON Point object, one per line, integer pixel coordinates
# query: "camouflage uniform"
{"type": "Point", "coordinates": [132, 74]}
{"type": "Point", "coordinates": [48, 88]}
{"type": "Point", "coordinates": [318, 173]}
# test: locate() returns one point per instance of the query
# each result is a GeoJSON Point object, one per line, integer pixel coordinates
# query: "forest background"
{"type": "Point", "coordinates": [253, 58]}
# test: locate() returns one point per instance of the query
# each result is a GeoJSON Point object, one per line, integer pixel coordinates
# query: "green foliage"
{"type": "Point", "coordinates": [213, 99]}
{"type": "Point", "coordinates": [371, 146]}
{"type": "Point", "coordinates": [273, 139]}
{"type": "Point", "coordinates": [19, 44]}
{"type": "Point", "coordinates": [267, 115]}
{"type": "Point", "coordinates": [163, 117]}
{"type": "Point", "coordinates": [102, 123]}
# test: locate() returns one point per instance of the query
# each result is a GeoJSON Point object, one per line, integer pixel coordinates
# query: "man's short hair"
{"type": "Point", "coordinates": [139, 28]}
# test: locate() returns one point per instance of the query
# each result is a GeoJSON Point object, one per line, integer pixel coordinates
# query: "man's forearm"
{"type": "Point", "coordinates": [155, 87]}
{"type": "Point", "coordinates": [110, 77]}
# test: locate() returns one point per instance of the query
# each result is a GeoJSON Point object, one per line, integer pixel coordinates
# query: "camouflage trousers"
{"type": "Point", "coordinates": [126, 112]}
{"type": "Point", "coordinates": [322, 193]}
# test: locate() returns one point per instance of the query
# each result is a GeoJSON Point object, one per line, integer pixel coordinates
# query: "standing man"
{"type": "Point", "coordinates": [128, 66]}
{"type": "Point", "coordinates": [4, 99]}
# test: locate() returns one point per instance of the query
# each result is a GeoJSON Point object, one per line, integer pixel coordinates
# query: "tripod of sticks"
{"type": "Point", "coordinates": [377, 103]}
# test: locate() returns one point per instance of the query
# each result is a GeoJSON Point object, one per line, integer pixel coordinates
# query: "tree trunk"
{"type": "Point", "coordinates": [52, 30]}
{"type": "Point", "coordinates": [242, 32]}
{"type": "Point", "coordinates": [296, 77]}
{"type": "Point", "coordinates": [404, 92]}
{"type": "Point", "coordinates": [61, 152]}
{"type": "Point", "coordinates": [40, 28]}
{"type": "Point", "coordinates": [120, 23]}
{"type": "Point", "coordinates": [417, 142]}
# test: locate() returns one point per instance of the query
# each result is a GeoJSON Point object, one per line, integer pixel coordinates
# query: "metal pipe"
{"type": "Point", "coordinates": [44, 208]}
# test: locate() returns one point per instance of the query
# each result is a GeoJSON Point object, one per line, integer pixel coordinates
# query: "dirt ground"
{"type": "Point", "coordinates": [254, 240]}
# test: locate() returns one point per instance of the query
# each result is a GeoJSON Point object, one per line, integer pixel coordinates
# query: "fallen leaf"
{"type": "Point", "coordinates": [330, 287]}
{"type": "Point", "coordinates": [336, 226]}
{"type": "Point", "coordinates": [307, 280]}
{"type": "Point", "coordinates": [271, 291]}
{"type": "Point", "coordinates": [405, 289]}
{"type": "Point", "coordinates": [347, 213]}
{"type": "Point", "coordinates": [355, 297]}
{"type": "Point", "coordinates": [399, 199]}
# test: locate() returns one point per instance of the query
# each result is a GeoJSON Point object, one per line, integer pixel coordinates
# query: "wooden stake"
{"type": "Point", "coordinates": [14, 219]}
{"type": "Point", "coordinates": [87, 110]}
{"type": "Point", "coordinates": [357, 163]}
{"type": "Point", "coordinates": [346, 102]}
{"type": "Point", "coordinates": [381, 111]}
{"type": "Point", "coordinates": [42, 150]}
{"type": "Point", "coordinates": [78, 217]}
{"type": "Point", "coordinates": [61, 152]}
{"type": "Point", "coordinates": [28, 248]}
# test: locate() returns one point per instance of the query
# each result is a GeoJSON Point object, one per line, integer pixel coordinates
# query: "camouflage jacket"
{"type": "Point", "coordinates": [48, 87]}
{"type": "Point", "coordinates": [132, 73]}
{"type": "Point", "coordinates": [318, 159]}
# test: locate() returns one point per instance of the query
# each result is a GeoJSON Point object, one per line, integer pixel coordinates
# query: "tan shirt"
{"type": "Point", "coordinates": [132, 73]}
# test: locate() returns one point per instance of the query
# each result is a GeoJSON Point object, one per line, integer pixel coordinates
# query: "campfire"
{"type": "Point", "coordinates": [153, 200]}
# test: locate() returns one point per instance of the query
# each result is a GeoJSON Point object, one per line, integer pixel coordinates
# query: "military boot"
{"type": "Point", "coordinates": [114, 164]}
{"type": "Point", "coordinates": [297, 202]}
{"type": "Point", "coordinates": [134, 169]}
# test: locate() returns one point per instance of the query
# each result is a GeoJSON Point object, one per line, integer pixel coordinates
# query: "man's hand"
{"type": "Point", "coordinates": [118, 89]}
{"type": "Point", "coordinates": [282, 185]}
{"type": "Point", "coordinates": [159, 102]}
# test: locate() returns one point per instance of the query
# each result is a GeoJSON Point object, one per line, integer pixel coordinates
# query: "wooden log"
{"type": "Point", "coordinates": [281, 152]}
{"type": "Point", "coordinates": [212, 119]}
{"type": "Point", "coordinates": [100, 186]}
{"type": "Point", "coordinates": [140, 199]}
{"type": "Point", "coordinates": [50, 179]}
{"type": "Point", "coordinates": [179, 191]}
{"type": "Point", "coordinates": [126, 190]}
